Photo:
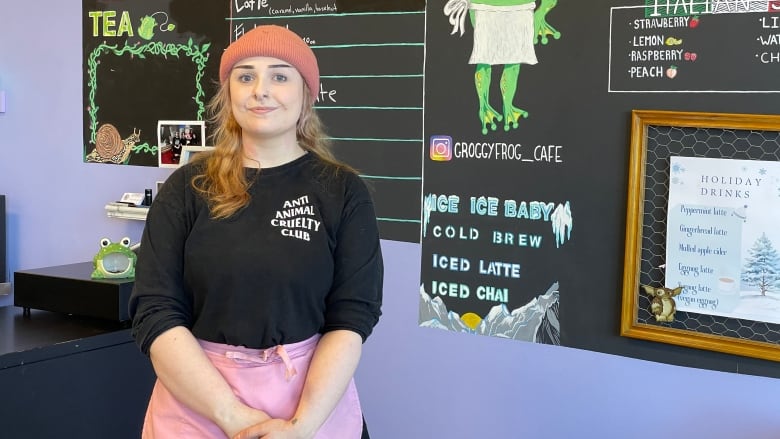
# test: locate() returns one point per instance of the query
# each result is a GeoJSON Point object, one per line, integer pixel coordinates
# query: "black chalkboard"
{"type": "Point", "coordinates": [152, 61]}
{"type": "Point", "coordinates": [496, 259]}
{"type": "Point", "coordinates": [370, 97]}
{"type": "Point", "coordinates": [597, 62]}
{"type": "Point", "coordinates": [144, 61]}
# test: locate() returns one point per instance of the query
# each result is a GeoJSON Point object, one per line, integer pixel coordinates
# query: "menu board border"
{"type": "Point", "coordinates": [636, 225]}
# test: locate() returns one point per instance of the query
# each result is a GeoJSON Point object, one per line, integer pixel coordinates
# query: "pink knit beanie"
{"type": "Point", "coordinates": [276, 42]}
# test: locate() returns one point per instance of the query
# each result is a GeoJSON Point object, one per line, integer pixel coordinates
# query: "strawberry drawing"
{"type": "Point", "coordinates": [687, 56]}
{"type": "Point", "coordinates": [671, 72]}
{"type": "Point", "coordinates": [694, 22]}
{"type": "Point", "coordinates": [693, 56]}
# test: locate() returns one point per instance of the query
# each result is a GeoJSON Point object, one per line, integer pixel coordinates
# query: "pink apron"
{"type": "Point", "coordinates": [277, 374]}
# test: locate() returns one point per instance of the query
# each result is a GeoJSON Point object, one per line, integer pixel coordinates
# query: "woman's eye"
{"type": "Point", "coordinates": [245, 78]}
{"type": "Point", "coordinates": [279, 77]}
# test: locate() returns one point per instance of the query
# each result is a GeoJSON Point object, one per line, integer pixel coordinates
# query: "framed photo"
{"type": "Point", "coordinates": [702, 249]}
{"type": "Point", "coordinates": [173, 136]}
{"type": "Point", "coordinates": [188, 152]}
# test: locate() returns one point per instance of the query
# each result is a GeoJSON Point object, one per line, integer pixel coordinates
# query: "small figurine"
{"type": "Point", "coordinates": [662, 306]}
{"type": "Point", "coordinates": [114, 261]}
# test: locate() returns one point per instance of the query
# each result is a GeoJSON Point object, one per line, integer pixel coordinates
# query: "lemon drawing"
{"type": "Point", "coordinates": [671, 41]}
{"type": "Point", "coordinates": [471, 320]}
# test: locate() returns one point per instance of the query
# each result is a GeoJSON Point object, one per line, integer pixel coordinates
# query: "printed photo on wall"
{"type": "Point", "coordinates": [173, 136]}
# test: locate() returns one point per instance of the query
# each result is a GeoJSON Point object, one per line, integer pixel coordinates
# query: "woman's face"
{"type": "Point", "coordinates": [266, 96]}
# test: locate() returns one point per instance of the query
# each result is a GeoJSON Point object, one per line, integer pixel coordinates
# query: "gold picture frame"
{"type": "Point", "coordinates": [647, 170]}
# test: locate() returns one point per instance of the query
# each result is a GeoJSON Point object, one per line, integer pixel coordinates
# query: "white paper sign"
{"type": "Point", "coordinates": [723, 237]}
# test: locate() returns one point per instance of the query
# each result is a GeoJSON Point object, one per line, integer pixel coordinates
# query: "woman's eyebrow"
{"type": "Point", "coordinates": [272, 66]}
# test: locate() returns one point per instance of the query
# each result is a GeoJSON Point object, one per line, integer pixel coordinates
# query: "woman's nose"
{"type": "Point", "coordinates": [261, 88]}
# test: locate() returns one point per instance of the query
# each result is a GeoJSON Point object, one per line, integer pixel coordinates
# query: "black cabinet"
{"type": "Point", "coordinates": [69, 289]}
{"type": "Point", "coordinates": [68, 376]}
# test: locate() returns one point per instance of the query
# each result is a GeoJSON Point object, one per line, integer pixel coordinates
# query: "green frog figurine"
{"type": "Point", "coordinates": [114, 260]}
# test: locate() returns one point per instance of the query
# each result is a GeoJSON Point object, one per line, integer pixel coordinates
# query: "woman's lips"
{"type": "Point", "coordinates": [262, 110]}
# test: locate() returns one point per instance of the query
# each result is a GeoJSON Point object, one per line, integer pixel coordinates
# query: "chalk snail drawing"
{"type": "Point", "coordinates": [110, 147]}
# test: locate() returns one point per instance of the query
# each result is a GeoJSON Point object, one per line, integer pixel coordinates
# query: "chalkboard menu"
{"type": "Point", "coordinates": [370, 96]}
{"type": "Point", "coordinates": [674, 47]}
{"type": "Point", "coordinates": [494, 222]}
{"type": "Point", "coordinates": [150, 67]}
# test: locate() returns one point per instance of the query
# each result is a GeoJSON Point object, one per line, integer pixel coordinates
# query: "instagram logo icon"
{"type": "Point", "coordinates": [441, 148]}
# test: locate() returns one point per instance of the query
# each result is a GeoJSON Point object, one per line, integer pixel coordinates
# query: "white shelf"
{"type": "Point", "coordinates": [120, 210]}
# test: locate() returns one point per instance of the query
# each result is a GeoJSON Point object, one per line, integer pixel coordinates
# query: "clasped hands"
{"type": "Point", "coordinates": [270, 429]}
{"type": "Point", "coordinates": [262, 426]}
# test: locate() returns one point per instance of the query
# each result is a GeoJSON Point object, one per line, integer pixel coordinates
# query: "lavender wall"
{"type": "Point", "coordinates": [415, 382]}
{"type": "Point", "coordinates": [429, 383]}
{"type": "Point", "coordinates": [55, 202]}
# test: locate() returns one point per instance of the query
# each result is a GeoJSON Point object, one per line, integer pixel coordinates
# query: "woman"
{"type": "Point", "coordinates": [259, 274]}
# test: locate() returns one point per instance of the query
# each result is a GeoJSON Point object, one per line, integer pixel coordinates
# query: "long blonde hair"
{"type": "Point", "coordinates": [222, 179]}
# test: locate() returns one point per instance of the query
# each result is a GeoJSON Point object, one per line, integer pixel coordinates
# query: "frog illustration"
{"type": "Point", "coordinates": [505, 32]}
{"type": "Point", "coordinates": [114, 260]}
{"type": "Point", "coordinates": [148, 23]}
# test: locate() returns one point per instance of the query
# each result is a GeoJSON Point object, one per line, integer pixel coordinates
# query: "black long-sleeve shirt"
{"type": "Point", "coordinates": [303, 257]}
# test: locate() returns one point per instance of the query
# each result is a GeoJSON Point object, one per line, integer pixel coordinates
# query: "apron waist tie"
{"type": "Point", "coordinates": [279, 350]}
